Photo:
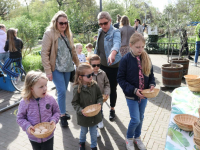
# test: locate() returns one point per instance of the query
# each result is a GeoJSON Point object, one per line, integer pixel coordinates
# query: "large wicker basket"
{"type": "Point", "coordinates": [185, 121]}
{"type": "Point", "coordinates": [191, 77]}
{"type": "Point", "coordinates": [150, 94]}
{"type": "Point", "coordinates": [196, 130]}
{"type": "Point", "coordinates": [48, 126]}
{"type": "Point", "coordinates": [197, 140]}
{"type": "Point", "coordinates": [105, 98]}
{"type": "Point", "coordinates": [194, 89]}
{"type": "Point", "coordinates": [92, 110]}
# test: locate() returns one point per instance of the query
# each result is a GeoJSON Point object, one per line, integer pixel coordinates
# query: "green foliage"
{"type": "Point", "coordinates": [32, 62]}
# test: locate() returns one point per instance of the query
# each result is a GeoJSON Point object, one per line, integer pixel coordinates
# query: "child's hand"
{"type": "Point", "coordinates": [52, 123]}
{"type": "Point", "coordinates": [30, 128]}
{"type": "Point", "coordinates": [152, 87]}
{"type": "Point", "coordinates": [83, 113]}
{"type": "Point", "coordinates": [139, 94]}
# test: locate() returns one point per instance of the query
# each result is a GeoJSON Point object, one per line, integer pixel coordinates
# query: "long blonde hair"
{"type": "Point", "coordinates": [31, 78]}
{"type": "Point", "coordinates": [10, 37]}
{"type": "Point", "coordinates": [146, 61]}
{"type": "Point", "coordinates": [81, 71]}
{"type": "Point", "coordinates": [53, 25]}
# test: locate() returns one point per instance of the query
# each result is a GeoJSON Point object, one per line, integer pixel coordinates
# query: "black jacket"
{"type": "Point", "coordinates": [128, 76]}
{"type": "Point", "coordinates": [18, 45]}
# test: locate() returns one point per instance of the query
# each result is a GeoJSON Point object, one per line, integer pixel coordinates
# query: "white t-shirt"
{"type": "Point", "coordinates": [81, 57]}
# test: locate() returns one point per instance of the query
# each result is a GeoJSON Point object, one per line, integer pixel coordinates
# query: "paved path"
{"type": "Point", "coordinates": [112, 136]}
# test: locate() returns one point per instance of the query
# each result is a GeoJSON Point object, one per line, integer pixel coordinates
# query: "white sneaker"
{"type": "Point", "coordinates": [194, 64]}
{"type": "Point", "coordinates": [139, 144]}
{"type": "Point", "coordinates": [100, 125]}
{"type": "Point", "coordinates": [98, 135]}
{"type": "Point", "coordinates": [129, 144]}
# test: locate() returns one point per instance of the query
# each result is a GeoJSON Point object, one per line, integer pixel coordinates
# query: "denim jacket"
{"type": "Point", "coordinates": [112, 41]}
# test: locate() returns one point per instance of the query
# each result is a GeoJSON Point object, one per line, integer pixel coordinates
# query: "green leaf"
{"type": "Point", "coordinates": [178, 138]}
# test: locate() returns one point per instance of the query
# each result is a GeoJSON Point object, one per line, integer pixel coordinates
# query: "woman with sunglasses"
{"type": "Point", "coordinates": [107, 47]}
{"type": "Point", "coordinates": [138, 27]}
{"type": "Point", "coordinates": [58, 54]}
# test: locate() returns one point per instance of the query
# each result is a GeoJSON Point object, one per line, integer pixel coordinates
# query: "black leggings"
{"type": "Point", "coordinates": [48, 145]}
{"type": "Point", "coordinates": [112, 77]}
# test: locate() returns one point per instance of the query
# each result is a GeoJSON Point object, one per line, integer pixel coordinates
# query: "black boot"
{"type": "Point", "coordinates": [189, 57]}
{"type": "Point", "coordinates": [68, 116]}
{"type": "Point", "coordinates": [112, 115]}
{"type": "Point", "coordinates": [63, 121]}
{"type": "Point", "coordinates": [82, 146]}
{"type": "Point", "coordinates": [95, 148]}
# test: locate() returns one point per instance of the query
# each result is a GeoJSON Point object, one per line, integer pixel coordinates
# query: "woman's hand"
{"type": "Point", "coordinates": [49, 76]}
{"type": "Point", "coordinates": [30, 128]}
{"type": "Point", "coordinates": [139, 94]}
{"type": "Point", "coordinates": [152, 87]}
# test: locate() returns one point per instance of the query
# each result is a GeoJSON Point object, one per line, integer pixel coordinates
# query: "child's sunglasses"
{"type": "Point", "coordinates": [88, 75]}
{"type": "Point", "coordinates": [96, 65]}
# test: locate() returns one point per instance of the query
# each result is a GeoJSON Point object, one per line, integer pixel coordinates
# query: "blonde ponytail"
{"type": "Point", "coordinates": [146, 63]}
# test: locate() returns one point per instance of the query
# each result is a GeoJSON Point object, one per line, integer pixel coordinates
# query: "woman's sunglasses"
{"type": "Point", "coordinates": [96, 65]}
{"type": "Point", "coordinates": [63, 23]}
{"type": "Point", "coordinates": [101, 24]}
{"type": "Point", "coordinates": [88, 75]}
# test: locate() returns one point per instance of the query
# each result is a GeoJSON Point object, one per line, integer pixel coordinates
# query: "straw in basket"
{"type": "Point", "coordinates": [92, 110]}
{"type": "Point", "coordinates": [48, 126]}
{"type": "Point", "coordinates": [150, 94]}
{"type": "Point", "coordinates": [185, 121]}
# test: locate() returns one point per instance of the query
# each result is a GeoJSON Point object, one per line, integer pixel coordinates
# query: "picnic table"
{"type": "Point", "coordinates": [183, 102]}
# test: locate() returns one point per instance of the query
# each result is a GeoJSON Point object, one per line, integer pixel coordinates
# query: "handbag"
{"type": "Point", "coordinates": [72, 72]}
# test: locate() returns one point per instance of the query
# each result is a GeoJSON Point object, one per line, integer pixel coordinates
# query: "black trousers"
{"type": "Point", "coordinates": [112, 77]}
{"type": "Point", "coordinates": [48, 145]}
{"type": "Point", "coordinates": [185, 46]}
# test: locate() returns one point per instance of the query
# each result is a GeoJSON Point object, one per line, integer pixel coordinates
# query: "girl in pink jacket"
{"type": "Point", "coordinates": [36, 107]}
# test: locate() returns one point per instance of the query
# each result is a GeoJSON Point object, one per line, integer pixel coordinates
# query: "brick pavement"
{"type": "Point", "coordinates": [154, 128]}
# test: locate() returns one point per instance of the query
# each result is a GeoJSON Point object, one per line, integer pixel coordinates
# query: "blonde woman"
{"type": "Point", "coordinates": [126, 32]}
{"type": "Point", "coordinates": [57, 54]}
{"type": "Point", "coordinates": [135, 74]}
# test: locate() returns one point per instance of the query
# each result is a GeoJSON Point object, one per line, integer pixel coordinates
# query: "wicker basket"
{"type": "Point", "coordinates": [190, 77]}
{"type": "Point", "coordinates": [150, 94]}
{"type": "Point", "coordinates": [47, 125]}
{"type": "Point", "coordinates": [185, 121]}
{"type": "Point", "coordinates": [194, 89]}
{"type": "Point", "coordinates": [196, 143]}
{"type": "Point", "coordinates": [92, 110]}
{"type": "Point", "coordinates": [196, 130]}
{"type": "Point", "coordinates": [105, 98]}
{"type": "Point", "coordinates": [197, 140]}
{"type": "Point", "coordinates": [198, 122]}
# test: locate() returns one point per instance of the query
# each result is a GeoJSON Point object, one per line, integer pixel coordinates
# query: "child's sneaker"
{"type": "Point", "coordinates": [139, 144]}
{"type": "Point", "coordinates": [95, 148]}
{"type": "Point", "coordinates": [98, 135]}
{"type": "Point", "coordinates": [82, 146]}
{"type": "Point", "coordinates": [100, 125]}
{"type": "Point", "coordinates": [129, 144]}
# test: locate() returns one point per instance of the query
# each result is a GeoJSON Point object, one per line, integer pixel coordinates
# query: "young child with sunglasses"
{"type": "Point", "coordinates": [37, 106]}
{"type": "Point", "coordinates": [86, 92]}
{"type": "Point", "coordinates": [101, 78]}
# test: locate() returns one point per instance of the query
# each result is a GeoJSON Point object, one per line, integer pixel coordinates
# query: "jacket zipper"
{"type": "Point", "coordinates": [39, 113]}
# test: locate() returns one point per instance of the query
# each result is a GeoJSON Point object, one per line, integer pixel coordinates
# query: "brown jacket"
{"type": "Point", "coordinates": [49, 51]}
{"type": "Point", "coordinates": [102, 82]}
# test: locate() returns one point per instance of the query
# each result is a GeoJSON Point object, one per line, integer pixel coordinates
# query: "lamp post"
{"type": "Point", "coordinates": [100, 5]}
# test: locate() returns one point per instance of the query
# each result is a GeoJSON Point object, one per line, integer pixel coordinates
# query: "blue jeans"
{"type": "Point", "coordinates": [4, 56]}
{"type": "Point", "coordinates": [61, 80]}
{"type": "Point", "coordinates": [197, 51]}
{"type": "Point", "coordinates": [136, 111]}
{"type": "Point", "coordinates": [93, 135]}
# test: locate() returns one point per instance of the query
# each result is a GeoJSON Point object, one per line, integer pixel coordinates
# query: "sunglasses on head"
{"type": "Point", "coordinates": [95, 65]}
{"type": "Point", "coordinates": [101, 24]}
{"type": "Point", "coordinates": [88, 75]}
{"type": "Point", "coordinates": [63, 23]}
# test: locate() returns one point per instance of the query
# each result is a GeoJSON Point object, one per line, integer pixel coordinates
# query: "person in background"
{"type": "Point", "coordinates": [138, 27]}
{"type": "Point", "coordinates": [126, 32]}
{"type": "Point", "coordinates": [89, 48]}
{"type": "Point", "coordinates": [116, 25]}
{"type": "Point", "coordinates": [135, 74]}
{"type": "Point", "coordinates": [79, 49]}
{"type": "Point", "coordinates": [197, 33]}
{"type": "Point", "coordinates": [107, 48]}
{"type": "Point", "coordinates": [86, 92]}
{"type": "Point", "coordinates": [58, 54]}
{"type": "Point", "coordinates": [3, 54]}
{"type": "Point", "coordinates": [184, 43]}
{"type": "Point", "coordinates": [95, 41]}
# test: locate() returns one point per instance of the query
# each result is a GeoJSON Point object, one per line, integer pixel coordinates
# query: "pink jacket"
{"type": "Point", "coordinates": [34, 112]}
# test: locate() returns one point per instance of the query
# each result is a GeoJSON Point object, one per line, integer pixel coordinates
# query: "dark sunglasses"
{"type": "Point", "coordinates": [88, 75]}
{"type": "Point", "coordinates": [63, 23]}
{"type": "Point", "coordinates": [101, 24]}
{"type": "Point", "coordinates": [135, 21]}
{"type": "Point", "coordinates": [96, 65]}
